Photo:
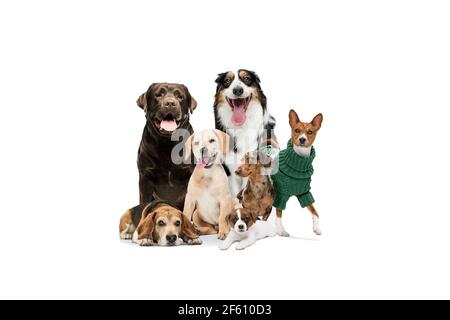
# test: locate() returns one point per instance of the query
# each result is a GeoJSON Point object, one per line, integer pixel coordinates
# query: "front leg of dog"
{"type": "Point", "coordinates": [189, 206]}
{"type": "Point", "coordinates": [225, 209]}
{"type": "Point", "coordinates": [279, 224]}
{"type": "Point", "coordinates": [193, 242]}
{"type": "Point", "coordinates": [146, 189]}
{"type": "Point", "coordinates": [226, 206]}
{"type": "Point", "coordinates": [247, 242]}
{"type": "Point", "coordinates": [230, 239]}
{"type": "Point", "coordinates": [146, 242]}
{"type": "Point", "coordinates": [315, 217]}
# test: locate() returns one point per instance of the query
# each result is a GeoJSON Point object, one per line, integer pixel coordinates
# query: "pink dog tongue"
{"type": "Point", "coordinates": [169, 125]}
{"type": "Point", "coordinates": [238, 118]}
{"type": "Point", "coordinates": [202, 163]}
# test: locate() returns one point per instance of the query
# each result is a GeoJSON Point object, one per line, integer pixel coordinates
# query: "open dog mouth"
{"type": "Point", "coordinates": [168, 125]}
{"type": "Point", "coordinates": [206, 162]}
{"type": "Point", "coordinates": [239, 107]}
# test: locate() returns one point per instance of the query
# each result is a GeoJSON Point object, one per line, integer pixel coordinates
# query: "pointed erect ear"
{"type": "Point", "coordinates": [188, 228]}
{"type": "Point", "coordinates": [188, 147]}
{"type": "Point", "coordinates": [293, 118]}
{"type": "Point", "coordinates": [224, 141]}
{"type": "Point", "coordinates": [146, 227]}
{"type": "Point", "coordinates": [317, 121]}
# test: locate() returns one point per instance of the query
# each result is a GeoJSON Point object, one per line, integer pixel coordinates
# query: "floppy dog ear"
{"type": "Point", "coordinates": [317, 121]}
{"type": "Point", "coordinates": [255, 76]}
{"type": "Point", "coordinates": [188, 228]}
{"type": "Point", "coordinates": [224, 141]}
{"type": "Point", "coordinates": [146, 227]}
{"type": "Point", "coordinates": [191, 101]}
{"type": "Point", "coordinates": [229, 219]}
{"type": "Point", "coordinates": [193, 104]}
{"type": "Point", "coordinates": [264, 159]}
{"type": "Point", "coordinates": [188, 147]}
{"type": "Point", "coordinates": [293, 118]}
{"type": "Point", "coordinates": [142, 100]}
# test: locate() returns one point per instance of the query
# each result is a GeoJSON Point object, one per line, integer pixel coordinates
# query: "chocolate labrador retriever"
{"type": "Point", "coordinates": [167, 107]}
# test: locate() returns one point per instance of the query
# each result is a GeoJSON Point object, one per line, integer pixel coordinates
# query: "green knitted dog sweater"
{"type": "Point", "coordinates": [293, 177]}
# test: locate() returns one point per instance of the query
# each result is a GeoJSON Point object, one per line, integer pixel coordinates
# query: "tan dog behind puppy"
{"type": "Point", "coordinates": [208, 199]}
{"type": "Point", "coordinates": [258, 193]}
{"type": "Point", "coordinates": [157, 223]}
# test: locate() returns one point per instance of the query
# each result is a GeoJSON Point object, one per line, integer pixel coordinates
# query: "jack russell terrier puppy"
{"type": "Point", "coordinates": [208, 199]}
{"type": "Point", "coordinates": [295, 169]}
{"type": "Point", "coordinates": [246, 229]}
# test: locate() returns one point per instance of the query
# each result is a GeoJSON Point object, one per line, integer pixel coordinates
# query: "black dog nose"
{"type": "Point", "coordinates": [238, 91]}
{"type": "Point", "coordinates": [171, 238]}
{"type": "Point", "coordinates": [170, 103]}
{"type": "Point", "coordinates": [241, 227]}
{"type": "Point", "coordinates": [302, 140]}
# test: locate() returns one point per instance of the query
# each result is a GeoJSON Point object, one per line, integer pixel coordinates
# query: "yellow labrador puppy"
{"type": "Point", "coordinates": [208, 199]}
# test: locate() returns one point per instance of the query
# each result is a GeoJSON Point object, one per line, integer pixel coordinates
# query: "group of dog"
{"type": "Point", "coordinates": [223, 181]}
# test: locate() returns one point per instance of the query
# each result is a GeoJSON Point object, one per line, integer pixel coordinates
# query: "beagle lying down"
{"type": "Point", "coordinates": [157, 223]}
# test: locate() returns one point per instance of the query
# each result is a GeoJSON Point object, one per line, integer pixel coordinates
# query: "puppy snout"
{"type": "Point", "coordinates": [302, 141]}
{"type": "Point", "coordinates": [238, 91]}
{"type": "Point", "coordinates": [170, 103]}
{"type": "Point", "coordinates": [171, 238]}
{"type": "Point", "coordinates": [204, 152]}
{"type": "Point", "coordinates": [241, 227]}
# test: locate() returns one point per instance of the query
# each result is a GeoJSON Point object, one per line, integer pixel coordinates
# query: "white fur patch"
{"type": "Point", "coordinates": [302, 151]}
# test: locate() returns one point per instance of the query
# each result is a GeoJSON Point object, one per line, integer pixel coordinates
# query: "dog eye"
{"type": "Point", "coordinates": [177, 223]}
{"type": "Point", "coordinates": [309, 132]}
{"type": "Point", "coordinates": [161, 223]}
{"type": "Point", "coordinates": [160, 94]}
{"type": "Point", "coordinates": [196, 143]}
{"type": "Point", "coordinates": [297, 131]}
{"type": "Point", "coordinates": [247, 79]}
{"type": "Point", "coordinates": [226, 82]}
{"type": "Point", "coordinates": [212, 140]}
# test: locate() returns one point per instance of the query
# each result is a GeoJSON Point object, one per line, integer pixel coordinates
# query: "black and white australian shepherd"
{"type": "Point", "coordinates": [240, 109]}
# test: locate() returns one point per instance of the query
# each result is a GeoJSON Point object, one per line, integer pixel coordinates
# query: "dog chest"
{"type": "Point", "coordinates": [208, 205]}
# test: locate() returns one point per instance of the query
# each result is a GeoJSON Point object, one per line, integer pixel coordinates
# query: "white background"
{"type": "Point", "coordinates": [379, 71]}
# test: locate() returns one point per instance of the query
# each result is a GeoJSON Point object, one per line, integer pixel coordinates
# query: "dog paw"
{"type": "Point", "coordinates": [222, 236]}
{"type": "Point", "coordinates": [283, 233]}
{"type": "Point", "coordinates": [223, 246]}
{"type": "Point", "coordinates": [240, 247]}
{"type": "Point", "coordinates": [194, 242]}
{"type": "Point", "coordinates": [126, 236]}
{"type": "Point", "coordinates": [317, 231]}
{"type": "Point", "coordinates": [146, 243]}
